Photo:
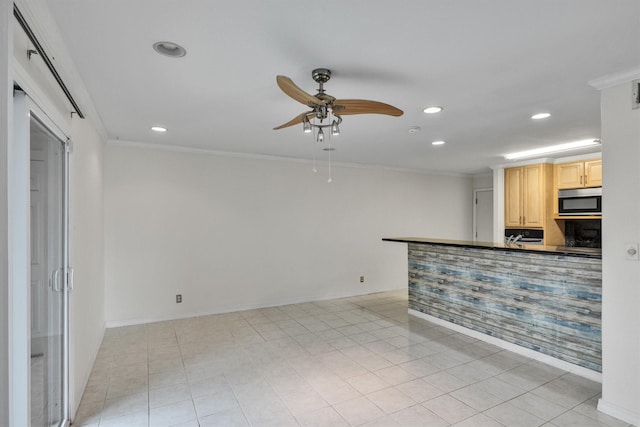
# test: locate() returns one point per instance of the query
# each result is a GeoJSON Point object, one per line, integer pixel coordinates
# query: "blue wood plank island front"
{"type": "Point", "coordinates": [545, 299]}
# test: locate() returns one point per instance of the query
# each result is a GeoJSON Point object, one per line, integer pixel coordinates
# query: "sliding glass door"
{"type": "Point", "coordinates": [39, 377]}
{"type": "Point", "coordinates": [48, 302]}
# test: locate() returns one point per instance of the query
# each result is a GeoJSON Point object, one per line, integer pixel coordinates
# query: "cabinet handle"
{"type": "Point", "coordinates": [580, 179]}
{"type": "Point", "coordinates": [476, 289]}
{"type": "Point", "coordinates": [583, 311]}
{"type": "Point", "coordinates": [519, 298]}
{"type": "Point", "coordinates": [440, 281]}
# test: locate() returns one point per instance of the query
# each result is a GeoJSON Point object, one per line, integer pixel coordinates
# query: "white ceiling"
{"type": "Point", "coordinates": [490, 63]}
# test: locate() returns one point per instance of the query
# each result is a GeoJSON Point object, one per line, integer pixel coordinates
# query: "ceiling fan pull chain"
{"type": "Point", "coordinates": [315, 169]}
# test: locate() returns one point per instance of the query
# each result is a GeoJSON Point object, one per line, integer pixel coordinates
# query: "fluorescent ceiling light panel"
{"type": "Point", "coordinates": [552, 149]}
{"type": "Point", "coordinates": [437, 143]}
{"type": "Point", "coordinates": [158, 129]}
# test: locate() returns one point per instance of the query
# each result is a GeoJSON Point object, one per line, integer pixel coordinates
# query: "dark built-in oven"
{"type": "Point", "coordinates": [582, 201]}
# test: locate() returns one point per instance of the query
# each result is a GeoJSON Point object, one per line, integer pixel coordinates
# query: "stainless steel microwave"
{"type": "Point", "coordinates": [582, 201]}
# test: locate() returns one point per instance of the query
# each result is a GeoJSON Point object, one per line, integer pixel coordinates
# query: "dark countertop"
{"type": "Point", "coordinates": [555, 250]}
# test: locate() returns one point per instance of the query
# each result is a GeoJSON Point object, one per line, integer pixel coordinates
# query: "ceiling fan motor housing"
{"type": "Point", "coordinates": [321, 75]}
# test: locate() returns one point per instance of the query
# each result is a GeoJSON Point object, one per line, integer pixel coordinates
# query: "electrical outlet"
{"type": "Point", "coordinates": [178, 298]}
{"type": "Point", "coordinates": [361, 279]}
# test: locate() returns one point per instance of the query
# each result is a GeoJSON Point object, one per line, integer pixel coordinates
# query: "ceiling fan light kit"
{"type": "Point", "coordinates": [327, 111]}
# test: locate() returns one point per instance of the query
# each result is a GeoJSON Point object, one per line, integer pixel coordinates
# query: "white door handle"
{"type": "Point", "coordinates": [55, 280]}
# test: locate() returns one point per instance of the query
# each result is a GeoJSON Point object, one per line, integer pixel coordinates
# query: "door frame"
{"type": "Point", "coordinates": [20, 259]}
{"type": "Point", "coordinates": [474, 229]}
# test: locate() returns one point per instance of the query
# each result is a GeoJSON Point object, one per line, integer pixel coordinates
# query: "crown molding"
{"type": "Point", "coordinates": [525, 162]}
{"type": "Point", "coordinates": [252, 156]}
{"type": "Point", "coordinates": [615, 79]}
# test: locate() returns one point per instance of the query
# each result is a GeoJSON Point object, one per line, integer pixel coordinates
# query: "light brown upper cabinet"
{"type": "Point", "coordinates": [525, 190]}
{"type": "Point", "coordinates": [579, 174]}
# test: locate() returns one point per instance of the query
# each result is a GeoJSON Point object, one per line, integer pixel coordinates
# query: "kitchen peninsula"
{"type": "Point", "coordinates": [546, 299]}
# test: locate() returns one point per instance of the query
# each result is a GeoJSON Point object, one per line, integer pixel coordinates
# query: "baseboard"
{"type": "Point", "coordinates": [618, 412]}
{"type": "Point", "coordinates": [523, 351]}
{"type": "Point", "coordinates": [240, 307]}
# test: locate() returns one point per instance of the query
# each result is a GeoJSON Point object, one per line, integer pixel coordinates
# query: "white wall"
{"type": "Point", "coordinates": [231, 233]}
{"type": "Point", "coordinates": [6, 120]}
{"type": "Point", "coordinates": [86, 253]}
{"type": "Point", "coordinates": [483, 181]}
{"type": "Point", "coordinates": [620, 277]}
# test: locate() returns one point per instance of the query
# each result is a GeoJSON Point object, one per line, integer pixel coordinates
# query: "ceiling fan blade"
{"type": "Point", "coordinates": [343, 107]}
{"type": "Point", "coordinates": [295, 121]}
{"type": "Point", "coordinates": [289, 87]}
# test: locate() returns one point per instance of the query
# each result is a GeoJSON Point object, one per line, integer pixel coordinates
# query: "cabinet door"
{"type": "Point", "coordinates": [513, 197]}
{"type": "Point", "coordinates": [533, 196]}
{"type": "Point", "coordinates": [570, 175]}
{"type": "Point", "coordinates": [593, 173]}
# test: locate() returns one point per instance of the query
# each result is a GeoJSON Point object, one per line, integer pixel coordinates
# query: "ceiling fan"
{"type": "Point", "coordinates": [325, 107]}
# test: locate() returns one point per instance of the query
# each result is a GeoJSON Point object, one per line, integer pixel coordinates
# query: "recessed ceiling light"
{"type": "Point", "coordinates": [414, 129]}
{"type": "Point", "coordinates": [552, 149]}
{"type": "Point", "coordinates": [432, 110]}
{"type": "Point", "coordinates": [158, 129]}
{"type": "Point", "coordinates": [170, 49]}
{"type": "Point", "coordinates": [437, 143]}
{"type": "Point", "coordinates": [540, 116]}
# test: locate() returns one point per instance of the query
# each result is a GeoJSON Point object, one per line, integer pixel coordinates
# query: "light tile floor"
{"type": "Point", "coordinates": [350, 361]}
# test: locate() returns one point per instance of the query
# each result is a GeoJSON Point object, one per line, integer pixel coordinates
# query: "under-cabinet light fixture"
{"type": "Point", "coordinates": [552, 149]}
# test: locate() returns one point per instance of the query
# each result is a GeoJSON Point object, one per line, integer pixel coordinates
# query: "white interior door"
{"type": "Point", "coordinates": [483, 215]}
{"type": "Point", "coordinates": [39, 281]}
{"type": "Point", "coordinates": [39, 267]}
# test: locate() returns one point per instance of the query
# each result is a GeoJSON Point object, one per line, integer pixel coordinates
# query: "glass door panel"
{"type": "Point", "coordinates": [48, 276]}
